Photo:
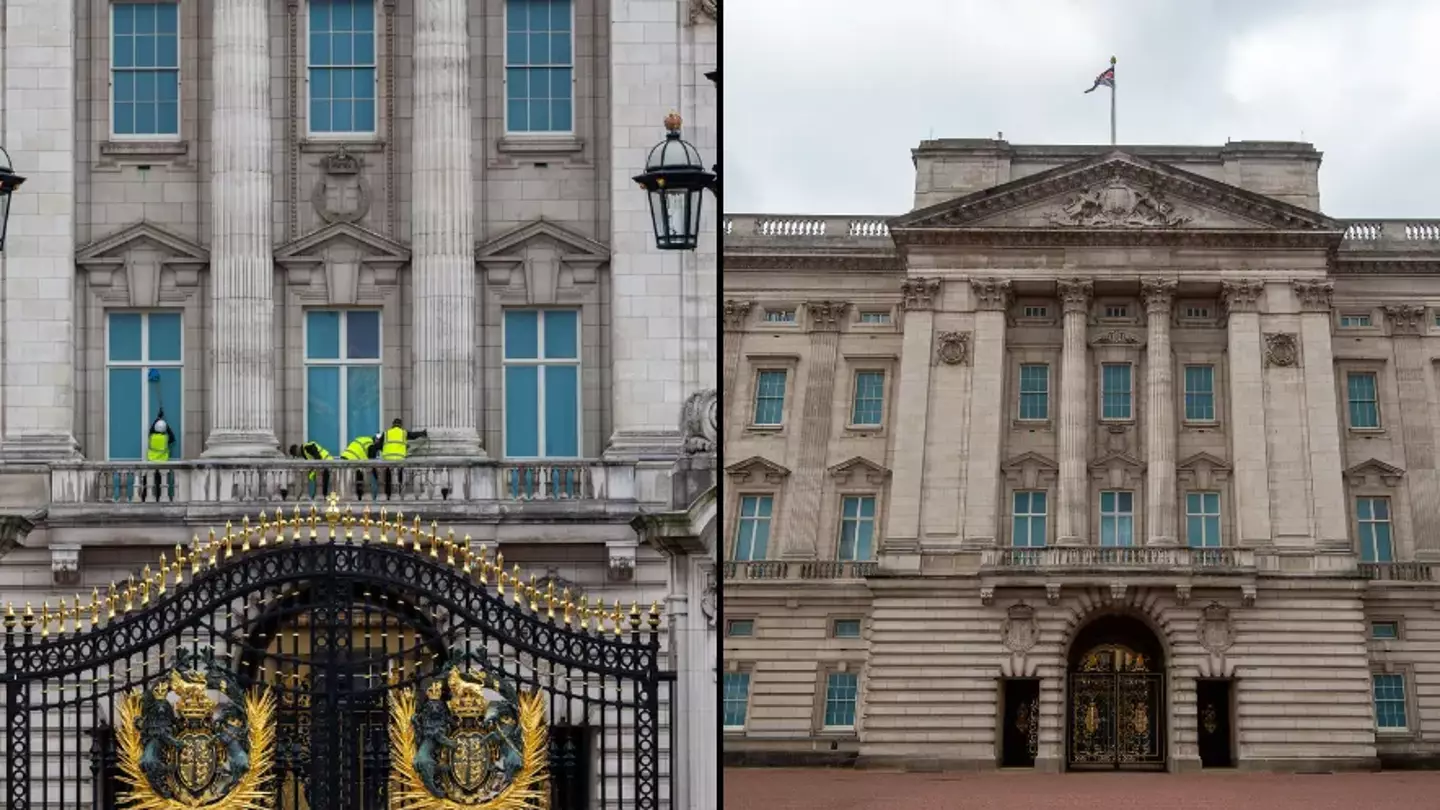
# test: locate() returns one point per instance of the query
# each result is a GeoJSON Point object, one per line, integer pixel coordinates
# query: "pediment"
{"type": "Point", "coordinates": [343, 237]}
{"type": "Point", "coordinates": [542, 261]}
{"type": "Point", "coordinates": [1373, 471]}
{"type": "Point", "coordinates": [573, 246]}
{"type": "Point", "coordinates": [859, 466]}
{"type": "Point", "coordinates": [142, 265]}
{"type": "Point", "coordinates": [1121, 460]}
{"type": "Point", "coordinates": [1203, 470]}
{"type": "Point", "coordinates": [1030, 459]}
{"type": "Point", "coordinates": [1030, 470]}
{"type": "Point", "coordinates": [1203, 459]}
{"type": "Point", "coordinates": [757, 470]}
{"type": "Point", "coordinates": [1117, 194]}
{"type": "Point", "coordinates": [141, 236]}
{"type": "Point", "coordinates": [345, 259]}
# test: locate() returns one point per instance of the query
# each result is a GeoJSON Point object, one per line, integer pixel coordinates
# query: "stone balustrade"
{"type": "Point", "coordinates": [768, 570]}
{"type": "Point", "coordinates": [1128, 557]}
{"type": "Point", "coordinates": [806, 227]}
{"type": "Point", "coordinates": [1399, 572]}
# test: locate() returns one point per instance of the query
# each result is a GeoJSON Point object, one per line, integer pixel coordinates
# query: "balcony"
{"type": "Point", "coordinates": [1140, 558]}
{"type": "Point", "coordinates": [1399, 572]}
{"type": "Point", "coordinates": [773, 570]}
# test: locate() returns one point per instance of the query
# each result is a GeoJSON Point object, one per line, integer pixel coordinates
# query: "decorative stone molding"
{"type": "Point", "coordinates": [1118, 204]}
{"type": "Point", "coordinates": [987, 595]}
{"type": "Point", "coordinates": [736, 313]}
{"type": "Point", "coordinates": [919, 293]}
{"type": "Point", "coordinates": [1281, 349]}
{"type": "Point", "coordinates": [1314, 295]}
{"type": "Point", "coordinates": [1019, 631]}
{"type": "Point", "coordinates": [1182, 594]}
{"type": "Point", "coordinates": [1030, 471]}
{"type": "Point", "coordinates": [1203, 470]}
{"type": "Point", "coordinates": [699, 422]}
{"type": "Point", "coordinates": [622, 561]}
{"type": "Point", "coordinates": [1075, 294]}
{"type": "Point", "coordinates": [552, 577]}
{"type": "Point", "coordinates": [1118, 471]}
{"type": "Point", "coordinates": [158, 267]}
{"type": "Point", "coordinates": [1116, 337]}
{"type": "Point", "coordinates": [1247, 595]}
{"type": "Point", "coordinates": [952, 348]}
{"type": "Point", "coordinates": [343, 257]}
{"type": "Point", "coordinates": [1052, 594]}
{"type": "Point", "coordinates": [825, 316]}
{"type": "Point", "coordinates": [708, 599]}
{"type": "Point", "coordinates": [1373, 473]}
{"type": "Point", "coordinates": [1407, 320]}
{"type": "Point", "coordinates": [755, 470]}
{"type": "Point", "coordinates": [991, 294]}
{"type": "Point", "coordinates": [1242, 295]}
{"type": "Point", "coordinates": [873, 473]}
{"type": "Point", "coordinates": [1215, 630]}
{"type": "Point", "coordinates": [341, 193]}
{"type": "Point", "coordinates": [1117, 590]}
{"type": "Point", "coordinates": [1158, 295]}
{"type": "Point", "coordinates": [701, 10]}
{"type": "Point", "coordinates": [542, 261]}
{"type": "Point", "coordinates": [65, 564]}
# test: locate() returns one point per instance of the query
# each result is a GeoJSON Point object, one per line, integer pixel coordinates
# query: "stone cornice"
{"type": "Point", "coordinates": [991, 294]}
{"type": "Point", "coordinates": [1314, 296]}
{"type": "Point", "coordinates": [955, 236]}
{"type": "Point", "coordinates": [842, 262]}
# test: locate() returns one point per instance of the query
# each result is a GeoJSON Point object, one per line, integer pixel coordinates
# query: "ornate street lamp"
{"type": "Point", "coordinates": [676, 179]}
{"type": "Point", "coordinates": [9, 181]}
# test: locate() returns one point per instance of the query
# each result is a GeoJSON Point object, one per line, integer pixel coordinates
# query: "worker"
{"type": "Point", "coordinates": [313, 451]}
{"type": "Point", "coordinates": [157, 450]}
{"type": "Point", "coordinates": [361, 448]}
{"type": "Point", "coordinates": [395, 447]}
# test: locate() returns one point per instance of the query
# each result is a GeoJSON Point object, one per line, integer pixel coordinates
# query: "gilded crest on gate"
{"type": "Point", "coordinates": [483, 747]}
{"type": "Point", "coordinates": [180, 747]}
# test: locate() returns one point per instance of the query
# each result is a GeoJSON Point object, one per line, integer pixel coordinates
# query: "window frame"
{"type": "Point", "coordinates": [850, 423]}
{"type": "Point", "coordinates": [858, 519]}
{"type": "Point", "coordinates": [505, 66]}
{"type": "Point", "coordinates": [346, 434]}
{"type": "Point", "coordinates": [1364, 320]}
{"type": "Point", "coordinates": [578, 362]}
{"type": "Point", "coordinates": [730, 625]}
{"type": "Point", "coordinates": [1021, 393]}
{"type": "Point", "coordinates": [885, 318]}
{"type": "Point", "coordinates": [376, 7]}
{"type": "Point", "coordinates": [760, 371]}
{"type": "Point", "coordinates": [1130, 398]}
{"type": "Point", "coordinates": [144, 364]}
{"type": "Point", "coordinates": [1185, 394]}
{"type": "Point", "coordinates": [1117, 515]}
{"type": "Point", "coordinates": [748, 672]}
{"type": "Point", "coordinates": [793, 312]}
{"type": "Point", "coordinates": [1406, 701]}
{"type": "Point", "coordinates": [1393, 622]}
{"type": "Point", "coordinates": [734, 544]}
{"type": "Point", "coordinates": [822, 725]}
{"type": "Point", "coordinates": [110, 70]}
{"type": "Point", "coordinates": [1360, 523]}
{"type": "Point", "coordinates": [1218, 516]}
{"type": "Point", "coordinates": [1374, 374]}
{"type": "Point", "coordinates": [1030, 516]}
{"type": "Point", "coordinates": [834, 628]}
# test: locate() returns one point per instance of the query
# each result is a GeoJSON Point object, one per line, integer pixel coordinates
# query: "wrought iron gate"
{"type": "Point", "coordinates": [335, 662]}
{"type": "Point", "coordinates": [1116, 710]}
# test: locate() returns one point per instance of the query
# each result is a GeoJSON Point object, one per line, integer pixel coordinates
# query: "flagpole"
{"type": "Point", "coordinates": [1112, 101]}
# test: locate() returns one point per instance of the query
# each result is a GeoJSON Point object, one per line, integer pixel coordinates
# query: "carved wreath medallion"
{"type": "Point", "coordinates": [1215, 630]}
{"type": "Point", "coordinates": [1019, 631]}
{"type": "Point", "coordinates": [952, 348]}
{"type": "Point", "coordinates": [1281, 349]}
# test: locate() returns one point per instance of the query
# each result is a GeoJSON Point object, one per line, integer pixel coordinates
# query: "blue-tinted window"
{"type": "Point", "coordinates": [1364, 400]}
{"type": "Point", "coordinates": [342, 66]}
{"type": "Point", "coordinates": [1202, 519]}
{"type": "Point", "coordinates": [145, 69]}
{"type": "Point", "coordinates": [842, 692]}
{"type": "Point", "coordinates": [1115, 395]}
{"type": "Point", "coordinates": [1117, 518]}
{"type": "Point", "coordinates": [869, 405]}
{"type": "Point", "coordinates": [1200, 393]}
{"type": "Point", "coordinates": [542, 383]}
{"type": "Point", "coordinates": [539, 66]}
{"type": "Point", "coordinates": [1027, 529]}
{"type": "Point", "coordinates": [740, 628]}
{"type": "Point", "coordinates": [1373, 517]}
{"type": "Point", "coordinates": [857, 528]}
{"type": "Point", "coordinates": [1389, 700]}
{"type": "Point", "coordinates": [144, 374]}
{"type": "Point", "coordinates": [847, 628]}
{"type": "Point", "coordinates": [342, 376]}
{"type": "Point", "coordinates": [752, 531]}
{"type": "Point", "coordinates": [770, 398]}
{"type": "Point", "coordinates": [1384, 631]}
{"type": "Point", "coordinates": [735, 698]}
{"type": "Point", "coordinates": [1035, 391]}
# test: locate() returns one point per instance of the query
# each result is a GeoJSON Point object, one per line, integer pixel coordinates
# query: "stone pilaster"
{"type": "Point", "coordinates": [1072, 520]}
{"type": "Point", "coordinates": [38, 318]}
{"type": "Point", "coordinates": [736, 314]}
{"type": "Point", "coordinates": [1249, 444]}
{"type": "Point", "coordinates": [912, 408]}
{"type": "Point", "coordinates": [1417, 405]}
{"type": "Point", "coordinates": [242, 274]}
{"type": "Point", "coordinates": [1322, 421]}
{"type": "Point", "coordinates": [987, 434]}
{"type": "Point", "coordinates": [1160, 495]}
{"type": "Point", "coordinates": [443, 232]}
{"type": "Point", "coordinates": [801, 540]}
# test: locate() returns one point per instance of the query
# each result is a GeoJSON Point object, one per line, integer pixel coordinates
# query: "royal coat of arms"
{"type": "Point", "coordinates": [474, 741]}
{"type": "Point", "coordinates": [180, 747]}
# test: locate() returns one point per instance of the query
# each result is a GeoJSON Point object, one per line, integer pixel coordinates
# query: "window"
{"type": "Point", "coordinates": [740, 628]}
{"type": "Point", "coordinates": [1115, 393]}
{"type": "Point", "coordinates": [1117, 518]}
{"type": "Point", "coordinates": [539, 67]}
{"type": "Point", "coordinates": [857, 527]}
{"type": "Point", "coordinates": [1373, 515]}
{"type": "Point", "coordinates": [770, 398]}
{"type": "Point", "coordinates": [842, 690]}
{"type": "Point", "coordinates": [1202, 519]}
{"type": "Point", "coordinates": [1200, 393]}
{"type": "Point", "coordinates": [144, 372]}
{"type": "Point", "coordinates": [542, 383]}
{"type": "Point", "coordinates": [874, 317]}
{"type": "Point", "coordinates": [1385, 631]}
{"type": "Point", "coordinates": [342, 67]}
{"type": "Point", "coordinates": [780, 316]}
{"type": "Point", "coordinates": [1027, 527]}
{"type": "Point", "coordinates": [342, 376]}
{"type": "Point", "coordinates": [1035, 391]}
{"type": "Point", "coordinates": [1354, 321]}
{"type": "Point", "coordinates": [1035, 312]}
{"type": "Point", "coordinates": [736, 698]}
{"type": "Point", "coordinates": [847, 628]}
{"type": "Point", "coordinates": [752, 532]}
{"type": "Point", "coordinates": [1364, 400]}
{"type": "Point", "coordinates": [1389, 700]}
{"type": "Point", "coordinates": [1117, 311]}
{"type": "Point", "coordinates": [869, 405]}
{"type": "Point", "coordinates": [145, 69]}
{"type": "Point", "coordinates": [1197, 312]}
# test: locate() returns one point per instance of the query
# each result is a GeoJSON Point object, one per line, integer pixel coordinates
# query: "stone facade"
{"type": "Point", "coordinates": [1079, 396]}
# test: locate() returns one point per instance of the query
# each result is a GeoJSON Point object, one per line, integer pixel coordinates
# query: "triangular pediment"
{"type": "Point", "coordinates": [1372, 470]}
{"type": "Point", "coordinates": [1203, 459]}
{"type": "Point", "coordinates": [1029, 459]}
{"type": "Point", "coordinates": [757, 470]}
{"type": "Point", "coordinates": [573, 246]}
{"type": "Point", "coordinates": [859, 466]}
{"type": "Point", "coordinates": [369, 245]}
{"type": "Point", "coordinates": [141, 235]}
{"type": "Point", "coordinates": [1116, 193]}
{"type": "Point", "coordinates": [1030, 470]}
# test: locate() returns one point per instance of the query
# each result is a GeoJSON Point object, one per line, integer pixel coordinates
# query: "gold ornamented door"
{"type": "Point", "coordinates": [1116, 711]}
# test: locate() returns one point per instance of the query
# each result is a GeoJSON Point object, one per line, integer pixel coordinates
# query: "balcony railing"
{"type": "Point", "coordinates": [1399, 572]}
{"type": "Point", "coordinates": [1140, 557]}
{"type": "Point", "coordinates": [411, 481]}
{"type": "Point", "coordinates": [800, 569]}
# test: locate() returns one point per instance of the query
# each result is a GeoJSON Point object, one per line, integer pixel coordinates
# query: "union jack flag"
{"type": "Point", "coordinates": [1106, 79]}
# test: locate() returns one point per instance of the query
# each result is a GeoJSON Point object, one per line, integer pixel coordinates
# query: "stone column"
{"type": "Point", "coordinates": [1072, 524]}
{"type": "Point", "coordinates": [242, 270]}
{"type": "Point", "coordinates": [1160, 496]}
{"type": "Point", "coordinates": [801, 540]}
{"type": "Point", "coordinates": [443, 232]}
{"type": "Point", "coordinates": [1322, 421]}
{"type": "Point", "coordinates": [912, 407]}
{"type": "Point", "coordinates": [38, 319]}
{"type": "Point", "coordinates": [736, 313]}
{"type": "Point", "coordinates": [987, 424]}
{"type": "Point", "coordinates": [1412, 370]}
{"type": "Point", "coordinates": [1249, 443]}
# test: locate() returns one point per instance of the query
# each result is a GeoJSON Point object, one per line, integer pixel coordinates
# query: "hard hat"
{"type": "Point", "coordinates": [160, 426]}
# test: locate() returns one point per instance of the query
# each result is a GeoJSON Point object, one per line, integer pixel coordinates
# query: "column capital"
{"type": "Point", "coordinates": [1242, 295]}
{"type": "Point", "coordinates": [825, 315]}
{"type": "Point", "coordinates": [1159, 295]}
{"type": "Point", "coordinates": [991, 293]}
{"type": "Point", "coordinates": [920, 293]}
{"type": "Point", "coordinates": [736, 312]}
{"type": "Point", "coordinates": [1075, 294]}
{"type": "Point", "coordinates": [1405, 320]}
{"type": "Point", "coordinates": [1314, 295]}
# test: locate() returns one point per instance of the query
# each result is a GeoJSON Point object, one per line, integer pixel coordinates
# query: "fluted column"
{"type": "Point", "coordinates": [1159, 295]}
{"type": "Point", "coordinates": [736, 314]}
{"type": "Point", "coordinates": [912, 410]}
{"type": "Point", "coordinates": [1412, 372]}
{"type": "Point", "coordinates": [987, 424]}
{"type": "Point", "coordinates": [1249, 440]}
{"type": "Point", "coordinates": [1322, 421]}
{"type": "Point", "coordinates": [1072, 525]}
{"type": "Point", "coordinates": [242, 392]}
{"type": "Point", "coordinates": [443, 238]}
{"type": "Point", "coordinates": [801, 539]}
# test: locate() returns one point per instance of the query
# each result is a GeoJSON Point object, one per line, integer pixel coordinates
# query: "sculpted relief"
{"type": "Point", "coordinates": [1118, 205]}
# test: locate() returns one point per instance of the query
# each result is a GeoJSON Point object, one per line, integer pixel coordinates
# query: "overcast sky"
{"type": "Point", "coordinates": [824, 99]}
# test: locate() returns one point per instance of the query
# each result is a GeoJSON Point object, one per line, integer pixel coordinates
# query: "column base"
{"type": "Point", "coordinates": [40, 447]}
{"type": "Point", "coordinates": [448, 443]}
{"type": "Point", "coordinates": [241, 444]}
{"type": "Point", "coordinates": [632, 445]}
{"type": "Point", "coordinates": [1162, 542]}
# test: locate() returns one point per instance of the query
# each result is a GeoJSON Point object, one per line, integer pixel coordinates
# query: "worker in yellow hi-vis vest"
{"type": "Point", "coordinates": [157, 450]}
{"type": "Point", "coordinates": [395, 447]}
{"type": "Point", "coordinates": [314, 451]}
{"type": "Point", "coordinates": [361, 448]}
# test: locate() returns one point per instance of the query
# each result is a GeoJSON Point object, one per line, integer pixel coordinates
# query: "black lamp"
{"type": "Point", "coordinates": [9, 181]}
{"type": "Point", "coordinates": [675, 179]}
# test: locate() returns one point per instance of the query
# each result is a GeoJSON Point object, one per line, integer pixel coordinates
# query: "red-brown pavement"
{"type": "Point", "coordinates": [835, 789]}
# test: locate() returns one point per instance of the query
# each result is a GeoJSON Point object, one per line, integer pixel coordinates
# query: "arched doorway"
{"type": "Point", "coordinates": [1116, 701]}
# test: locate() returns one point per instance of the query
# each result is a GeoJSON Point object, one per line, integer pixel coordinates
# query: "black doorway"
{"type": "Point", "coordinates": [1212, 710]}
{"type": "Point", "coordinates": [1021, 736]}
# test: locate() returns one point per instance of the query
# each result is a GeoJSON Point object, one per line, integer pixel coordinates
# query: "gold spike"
{"type": "Point", "coordinates": [567, 605]}
{"type": "Point", "coordinates": [44, 619]}
{"type": "Point", "coordinates": [450, 548]}
{"type": "Point", "coordinates": [61, 614]}
{"type": "Point", "coordinates": [415, 537]}
{"type": "Point", "coordinates": [654, 615]}
{"type": "Point", "coordinates": [95, 608]}
{"type": "Point", "coordinates": [9, 616]}
{"type": "Point", "coordinates": [264, 530]}
{"type": "Point", "coordinates": [365, 523]}
{"type": "Point", "coordinates": [634, 617]}
{"type": "Point", "coordinates": [130, 594]}
{"type": "Point", "coordinates": [145, 587]}
{"type": "Point", "coordinates": [434, 540]}
{"type": "Point", "coordinates": [500, 578]}
{"type": "Point", "coordinates": [162, 577]}
{"type": "Point", "coordinates": [515, 578]}
{"type": "Point", "coordinates": [229, 547]}
{"type": "Point", "coordinates": [179, 566]}
{"type": "Point", "coordinates": [465, 556]}
{"type": "Point", "coordinates": [383, 527]}
{"type": "Point", "coordinates": [196, 553]}
{"type": "Point", "coordinates": [550, 600]}
{"type": "Point", "coordinates": [295, 525]}
{"type": "Point", "coordinates": [584, 611]}
{"type": "Point", "coordinates": [111, 602]}
{"type": "Point", "coordinates": [616, 619]}
{"type": "Point", "coordinates": [245, 532]}
{"type": "Point", "coordinates": [484, 565]}
{"type": "Point", "coordinates": [532, 591]}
